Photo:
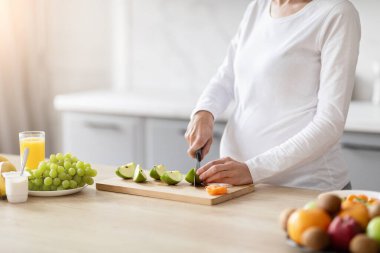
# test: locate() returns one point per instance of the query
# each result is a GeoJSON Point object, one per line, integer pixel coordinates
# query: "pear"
{"type": "Point", "coordinates": [4, 167]}
{"type": "Point", "coordinates": [139, 175]}
{"type": "Point", "coordinates": [126, 171]}
{"type": "Point", "coordinates": [157, 171]}
{"type": "Point", "coordinates": [172, 177]}
{"type": "Point", "coordinates": [3, 159]}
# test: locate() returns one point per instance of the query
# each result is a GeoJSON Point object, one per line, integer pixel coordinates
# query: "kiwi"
{"type": "Point", "coordinates": [315, 238]}
{"type": "Point", "coordinates": [284, 216]}
{"type": "Point", "coordinates": [330, 203]}
{"type": "Point", "coordinates": [363, 244]}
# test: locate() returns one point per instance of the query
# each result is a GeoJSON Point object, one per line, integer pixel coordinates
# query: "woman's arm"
{"type": "Point", "coordinates": [339, 42]}
{"type": "Point", "coordinates": [215, 98]}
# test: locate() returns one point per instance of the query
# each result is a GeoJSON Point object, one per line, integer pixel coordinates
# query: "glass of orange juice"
{"type": "Point", "coordinates": [35, 141]}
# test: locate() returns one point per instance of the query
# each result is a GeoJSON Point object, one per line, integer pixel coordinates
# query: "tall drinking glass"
{"type": "Point", "coordinates": [35, 141]}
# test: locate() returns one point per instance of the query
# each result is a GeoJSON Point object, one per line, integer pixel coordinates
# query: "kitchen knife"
{"type": "Point", "coordinates": [198, 157]}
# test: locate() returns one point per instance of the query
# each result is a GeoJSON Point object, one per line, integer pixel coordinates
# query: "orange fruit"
{"type": "Point", "coordinates": [356, 210]}
{"type": "Point", "coordinates": [216, 189]}
{"type": "Point", "coordinates": [303, 219]}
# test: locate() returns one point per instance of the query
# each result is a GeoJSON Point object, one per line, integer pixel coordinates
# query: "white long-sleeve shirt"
{"type": "Point", "coordinates": [291, 79]}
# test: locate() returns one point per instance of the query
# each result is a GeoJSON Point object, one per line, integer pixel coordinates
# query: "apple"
{"type": "Point", "coordinates": [341, 230]}
{"type": "Point", "coordinates": [310, 205]}
{"type": "Point", "coordinates": [373, 229]}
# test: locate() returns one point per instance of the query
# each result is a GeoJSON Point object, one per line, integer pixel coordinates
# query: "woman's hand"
{"type": "Point", "coordinates": [225, 170]}
{"type": "Point", "coordinates": [199, 133]}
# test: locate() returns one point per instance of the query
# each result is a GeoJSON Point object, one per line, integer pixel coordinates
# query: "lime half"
{"type": "Point", "coordinates": [190, 177]}
{"type": "Point", "coordinates": [157, 171]}
{"type": "Point", "coordinates": [172, 177]}
{"type": "Point", "coordinates": [139, 176]}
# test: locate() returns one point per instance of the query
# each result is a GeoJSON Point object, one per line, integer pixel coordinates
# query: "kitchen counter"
{"type": "Point", "coordinates": [362, 116]}
{"type": "Point", "coordinates": [96, 221]}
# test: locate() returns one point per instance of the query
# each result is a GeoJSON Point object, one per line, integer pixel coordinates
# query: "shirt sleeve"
{"type": "Point", "coordinates": [339, 47]}
{"type": "Point", "coordinates": [220, 90]}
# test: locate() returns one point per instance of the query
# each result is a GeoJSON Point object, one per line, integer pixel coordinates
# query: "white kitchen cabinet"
{"type": "Point", "coordinates": [362, 154]}
{"type": "Point", "coordinates": [165, 143]}
{"type": "Point", "coordinates": [103, 139]}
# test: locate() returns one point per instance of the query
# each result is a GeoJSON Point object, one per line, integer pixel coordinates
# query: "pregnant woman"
{"type": "Point", "coordinates": [290, 72]}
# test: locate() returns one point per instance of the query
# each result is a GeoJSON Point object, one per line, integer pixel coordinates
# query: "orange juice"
{"type": "Point", "coordinates": [36, 147]}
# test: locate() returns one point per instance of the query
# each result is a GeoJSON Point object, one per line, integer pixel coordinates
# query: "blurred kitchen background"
{"type": "Point", "coordinates": [115, 80]}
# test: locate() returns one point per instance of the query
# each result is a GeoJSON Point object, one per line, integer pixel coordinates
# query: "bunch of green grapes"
{"type": "Point", "coordinates": [61, 172]}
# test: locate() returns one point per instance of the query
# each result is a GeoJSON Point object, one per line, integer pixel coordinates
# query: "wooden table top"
{"type": "Point", "coordinates": [98, 221]}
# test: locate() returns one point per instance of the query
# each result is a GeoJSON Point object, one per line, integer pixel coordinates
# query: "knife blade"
{"type": "Point", "coordinates": [198, 157]}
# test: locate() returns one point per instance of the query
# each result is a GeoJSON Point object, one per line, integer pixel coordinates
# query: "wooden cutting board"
{"type": "Point", "coordinates": [182, 192]}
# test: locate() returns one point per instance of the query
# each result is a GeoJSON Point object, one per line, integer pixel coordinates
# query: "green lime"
{"type": "Point", "coordinates": [172, 177]}
{"type": "Point", "coordinates": [157, 171]}
{"type": "Point", "coordinates": [190, 177]}
{"type": "Point", "coordinates": [139, 175]}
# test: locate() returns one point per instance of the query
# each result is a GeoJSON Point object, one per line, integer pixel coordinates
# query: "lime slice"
{"type": "Point", "coordinates": [190, 177]}
{"type": "Point", "coordinates": [157, 171]}
{"type": "Point", "coordinates": [126, 171]}
{"type": "Point", "coordinates": [139, 176]}
{"type": "Point", "coordinates": [172, 177]}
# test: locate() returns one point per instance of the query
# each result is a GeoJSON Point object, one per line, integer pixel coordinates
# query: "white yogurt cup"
{"type": "Point", "coordinates": [16, 186]}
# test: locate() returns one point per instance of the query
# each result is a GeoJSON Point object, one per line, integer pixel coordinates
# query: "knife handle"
{"type": "Point", "coordinates": [198, 155]}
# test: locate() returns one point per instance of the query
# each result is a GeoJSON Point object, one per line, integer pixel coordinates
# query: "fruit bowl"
{"type": "Point", "coordinates": [338, 221]}
{"type": "Point", "coordinates": [56, 193]}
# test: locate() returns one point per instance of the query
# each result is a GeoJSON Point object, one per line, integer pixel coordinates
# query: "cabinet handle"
{"type": "Point", "coordinates": [102, 126]}
{"type": "Point", "coordinates": [354, 146]}
{"type": "Point", "coordinates": [217, 136]}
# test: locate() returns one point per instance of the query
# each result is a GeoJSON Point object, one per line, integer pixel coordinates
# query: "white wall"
{"type": "Point", "coordinates": [369, 11]}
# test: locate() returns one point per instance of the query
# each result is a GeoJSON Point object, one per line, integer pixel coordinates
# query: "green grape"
{"type": "Point", "coordinates": [31, 177]}
{"type": "Point", "coordinates": [61, 169]}
{"type": "Point", "coordinates": [72, 171]}
{"type": "Point", "coordinates": [89, 180]}
{"type": "Point", "coordinates": [30, 185]}
{"type": "Point", "coordinates": [74, 159]}
{"type": "Point", "coordinates": [53, 158]}
{"type": "Point", "coordinates": [59, 156]}
{"type": "Point", "coordinates": [87, 171]}
{"type": "Point", "coordinates": [46, 187]}
{"type": "Point", "coordinates": [62, 176]}
{"type": "Point", "coordinates": [73, 184]}
{"type": "Point", "coordinates": [77, 178]}
{"type": "Point", "coordinates": [53, 173]}
{"type": "Point", "coordinates": [56, 181]}
{"type": "Point", "coordinates": [60, 188]}
{"type": "Point", "coordinates": [80, 172]}
{"type": "Point", "coordinates": [48, 181]}
{"type": "Point", "coordinates": [53, 187]}
{"type": "Point", "coordinates": [67, 165]}
{"type": "Point", "coordinates": [38, 181]}
{"type": "Point", "coordinates": [42, 168]}
{"type": "Point", "coordinates": [93, 173]}
{"type": "Point", "coordinates": [53, 166]}
{"type": "Point", "coordinates": [69, 177]}
{"type": "Point", "coordinates": [46, 173]}
{"type": "Point", "coordinates": [80, 165]}
{"type": "Point", "coordinates": [66, 184]}
{"type": "Point", "coordinates": [68, 156]}
{"type": "Point", "coordinates": [60, 162]}
{"type": "Point", "coordinates": [37, 173]}
{"type": "Point", "coordinates": [87, 165]}
{"type": "Point", "coordinates": [82, 183]}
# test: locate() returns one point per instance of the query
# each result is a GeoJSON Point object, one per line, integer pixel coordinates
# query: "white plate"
{"type": "Point", "coordinates": [345, 193]}
{"type": "Point", "coordinates": [55, 193]}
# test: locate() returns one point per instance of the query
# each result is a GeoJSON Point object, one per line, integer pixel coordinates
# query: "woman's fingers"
{"type": "Point", "coordinates": [221, 175]}
{"type": "Point", "coordinates": [199, 133]}
{"type": "Point", "coordinates": [208, 165]}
